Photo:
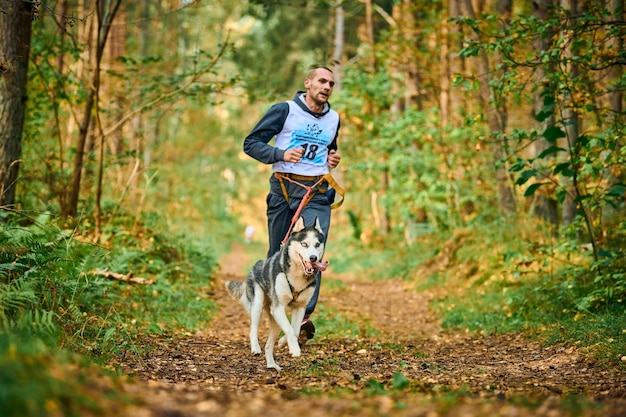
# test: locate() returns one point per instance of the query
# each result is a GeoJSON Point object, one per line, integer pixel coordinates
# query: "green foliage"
{"type": "Point", "coordinates": [430, 179]}
{"type": "Point", "coordinates": [144, 87]}
{"type": "Point", "coordinates": [378, 264]}
{"type": "Point", "coordinates": [580, 137]}
{"type": "Point", "coordinates": [291, 38]}
{"type": "Point", "coordinates": [52, 302]}
{"type": "Point", "coordinates": [399, 382]}
{"type": "Point", "coordinates": [14, 296]}
{"type": "Point", "coordinates": [31, 260]}
{"type": "Point", "coordinates": [427, 173]}
{"type": "Point", "coordinates": [199, 185]}
{"type": "Point", "coordinates": [375, 387]}
{"type": "Point", "coordinates": [331, 322]}
{"type": "Point", "coordinates": [48, 273]}
{"type": "Point", "coordinates": [324, 367]}
{"type": "Point", "coordinates": [537, 286]}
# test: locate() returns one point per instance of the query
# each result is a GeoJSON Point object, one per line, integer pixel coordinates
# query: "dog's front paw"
{"type": "Point", "coordinates": [274, 366]}
{"type": "Point", "coordinates": [255, 347]}
{"type": "Point", "coordinates": [295, 350]}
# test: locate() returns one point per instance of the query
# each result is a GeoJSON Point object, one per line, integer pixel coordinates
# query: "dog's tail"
{"type": "Point", "coordinates": [236, 289]}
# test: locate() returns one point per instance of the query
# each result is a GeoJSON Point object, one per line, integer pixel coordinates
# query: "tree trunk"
{"type": "Point", "coordinates": [338, 44]}
{"type": "Point", "coordinates": [405, 59]}
{"type": "Point", "coordinates": [383, 216]}
{"type": "Point", "coordinates": [545, 205]}
{"type": "Point", "coordinates": [15, 25]}
{"type": "Point", "coordinates": [616, 73]}
{"type": "Point", "coordinates": [445, 78]}
{"type": "Point", "coordinates": [456, 64]}
{"type": "Point", "coordinates": [570, 120]}
{"type": "Point", "coordinates": [105, 16]}
{"type": "Point", "coordinates": [616, 97]}
{"type": "Point", "coordinates": [116, 49]}
{"type": "Point", "coordinates": [496, 112]}
{"type": "Point", "coordinates": [369, 34]}
{"type": "Point", "coordinates": [62, 8]}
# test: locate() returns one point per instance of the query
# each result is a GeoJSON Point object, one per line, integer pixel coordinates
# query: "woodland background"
{"type": "Point", "coordinates": [494, 127]}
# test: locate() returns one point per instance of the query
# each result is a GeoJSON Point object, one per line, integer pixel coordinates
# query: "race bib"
{"type": "Point", "coordinates": [314, 142]}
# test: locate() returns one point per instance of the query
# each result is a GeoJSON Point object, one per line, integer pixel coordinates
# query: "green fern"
{"type": "Point", "coordinates": [14, 298]}
{"type": "Point", "coordinates": [8, 271]}
{"type": "Point", "coordinates": [38, 320]}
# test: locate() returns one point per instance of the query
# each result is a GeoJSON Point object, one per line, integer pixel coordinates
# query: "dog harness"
{"type": "Point", "coordinates": [310, 192]}
{"type": "Point", "coordinates": [295, 294]}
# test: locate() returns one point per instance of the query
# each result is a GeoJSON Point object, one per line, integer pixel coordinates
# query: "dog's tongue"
{"type": "Point", "coordinates": [321, 266]}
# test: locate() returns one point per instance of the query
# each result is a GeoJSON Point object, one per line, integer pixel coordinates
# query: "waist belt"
{"type": "Point", "coordinates": [327, 178]}
{"type": "Point", "coordinates": [297, 177]}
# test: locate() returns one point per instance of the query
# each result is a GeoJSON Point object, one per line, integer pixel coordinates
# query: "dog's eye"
{"type": "Point", "coordinates": [305, 245]}
{"type": "Point", "coordinates": [317, 245]}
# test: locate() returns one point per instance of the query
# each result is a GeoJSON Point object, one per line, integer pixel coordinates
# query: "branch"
{"type": "Point", "coordinates": [66, 20]}
{"type": "Point", "coordinates": [385, 15]}
{"type": "Point", "coordinates": [121, 277]}
{"type": "Point", "coordinates": [166, 96]}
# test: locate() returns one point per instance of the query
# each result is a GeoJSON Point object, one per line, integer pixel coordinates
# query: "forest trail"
{"type": "Point", "coordinates": [213, 373]}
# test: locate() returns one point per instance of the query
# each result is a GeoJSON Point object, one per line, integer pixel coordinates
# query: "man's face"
{"type": "Point", "coordinates": [320, 86]}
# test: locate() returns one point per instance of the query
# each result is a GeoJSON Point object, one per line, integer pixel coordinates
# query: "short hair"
{"type": "Point", "coordinates": [314, 69]}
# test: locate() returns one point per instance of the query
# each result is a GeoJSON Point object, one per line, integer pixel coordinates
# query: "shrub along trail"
{"type": "Point", "coordinates": [401, 364]}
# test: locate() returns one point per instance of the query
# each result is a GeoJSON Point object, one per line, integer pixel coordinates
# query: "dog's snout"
{"type": "Point", "coordinates": [313, 258]}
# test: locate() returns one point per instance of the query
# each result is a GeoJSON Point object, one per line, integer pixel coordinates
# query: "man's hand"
{"type": "Point", "coordinates": [333, 159]}
{"type": "Point", "coordinates": [293, 155]}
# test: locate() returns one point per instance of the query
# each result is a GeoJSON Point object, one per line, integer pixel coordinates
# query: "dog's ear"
{"type": "Point", "coordinates": [317, 225]}
{"type": "Point", "coordinates": [299, 224]}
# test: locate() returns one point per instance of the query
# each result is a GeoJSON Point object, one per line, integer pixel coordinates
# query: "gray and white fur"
{"type": "Point", "coordinates": [286, 280]}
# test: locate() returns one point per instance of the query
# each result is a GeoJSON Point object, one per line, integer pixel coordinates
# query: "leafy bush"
{"type": "Point", "coordinates": [424, 176]}
{"type": "Point", "coordinates": [53, 303]}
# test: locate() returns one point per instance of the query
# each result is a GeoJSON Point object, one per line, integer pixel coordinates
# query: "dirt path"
{"type": "Point", "coordinates": [214, 374]}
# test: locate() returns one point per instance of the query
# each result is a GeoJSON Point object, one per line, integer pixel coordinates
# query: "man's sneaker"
{"type": "Point", "coordinates": [307, 331]}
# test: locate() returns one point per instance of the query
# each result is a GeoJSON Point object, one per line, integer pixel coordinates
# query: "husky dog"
{"type": "Point", "coordinates": [285, 280]}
